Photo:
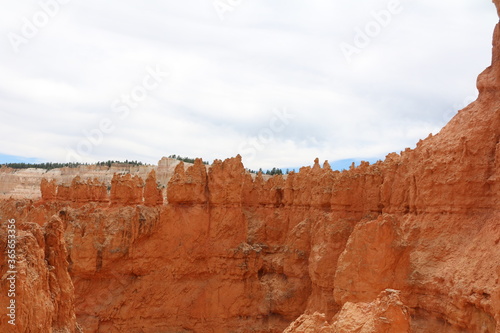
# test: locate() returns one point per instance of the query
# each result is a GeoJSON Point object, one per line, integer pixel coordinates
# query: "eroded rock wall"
{"type": "Point", "coordinates": [25, 183]}
{"type": "Point", "coordinates": [37, 280]}
{"type": "Point", "coordinates": [410, 244]}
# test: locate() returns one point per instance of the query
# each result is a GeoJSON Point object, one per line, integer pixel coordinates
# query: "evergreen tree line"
{"type": "Point", "coordinates": [56, 165]}
{"type": "Point", "coordinates": [110, 163]}
{"type": "Point", "coordinates": [46, 166]}
{"type": "Point", "coordinates": [185, 159]}
{"type": "Point", "coordinates": [272, 172]}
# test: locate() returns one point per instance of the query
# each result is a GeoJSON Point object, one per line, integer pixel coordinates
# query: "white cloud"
{"type": "Point", "coordinates": [228, 77]}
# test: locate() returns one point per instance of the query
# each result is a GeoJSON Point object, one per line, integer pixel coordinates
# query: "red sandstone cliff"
{"type": "Point", "coordinates": [411, 244]}
{"type": "Point", "coordinates": [41, 285]}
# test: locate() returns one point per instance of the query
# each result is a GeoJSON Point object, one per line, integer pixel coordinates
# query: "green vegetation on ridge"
{"type": "Point", "coordinates": [185, 159]}
{"type": "Point", "coordinates": [56, 165]}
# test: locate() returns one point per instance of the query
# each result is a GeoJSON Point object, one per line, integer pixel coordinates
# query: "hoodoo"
{"type": "Point", "coordinates": [408, 244]}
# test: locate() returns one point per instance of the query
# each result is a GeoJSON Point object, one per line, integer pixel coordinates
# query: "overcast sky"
{"type": "Point", "coordinates": [280, 82]}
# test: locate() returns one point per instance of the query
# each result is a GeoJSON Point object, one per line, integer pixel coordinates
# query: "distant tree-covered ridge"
{"type": "Point", "coordinates": [185, 159]}
{"type": "Point", "coordinates": [272, 172]}
{"type": "Point", "coordinates": [56, 165]}
{"type": "Point", "coordinates": [110, 163]}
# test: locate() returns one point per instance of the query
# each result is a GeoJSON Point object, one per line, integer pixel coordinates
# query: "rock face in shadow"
{"type": "Point", "coordinates": [409, 244]}
{"type": "Point", "coordinates": [38, 282]}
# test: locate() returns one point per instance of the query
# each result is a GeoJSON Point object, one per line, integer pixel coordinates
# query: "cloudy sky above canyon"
{"type": "Point", "coordinates": [266, 79]}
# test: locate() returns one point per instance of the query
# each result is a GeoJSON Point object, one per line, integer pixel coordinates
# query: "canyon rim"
{"type": "Point", "coordinates": [408, 244]}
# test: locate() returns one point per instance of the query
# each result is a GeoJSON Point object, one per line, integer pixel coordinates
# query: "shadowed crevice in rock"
{"type": "Point", "coordinates": [408, 244]}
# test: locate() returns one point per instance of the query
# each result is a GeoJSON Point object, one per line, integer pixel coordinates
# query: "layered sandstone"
{"type": "Point", "coordinates": [410, 244]}
{"type": "Point", "coordinates": [384, 314]}
{"type": "Point", "coordinates": [25, 183]}
{"type": "Point", "coordinates": [40, 285]}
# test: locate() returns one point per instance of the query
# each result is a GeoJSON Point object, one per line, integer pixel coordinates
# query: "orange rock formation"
{"type": "Point", "coordinates": [410, 244]}
{"type": "Point", "coordinates": [44, 293]}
